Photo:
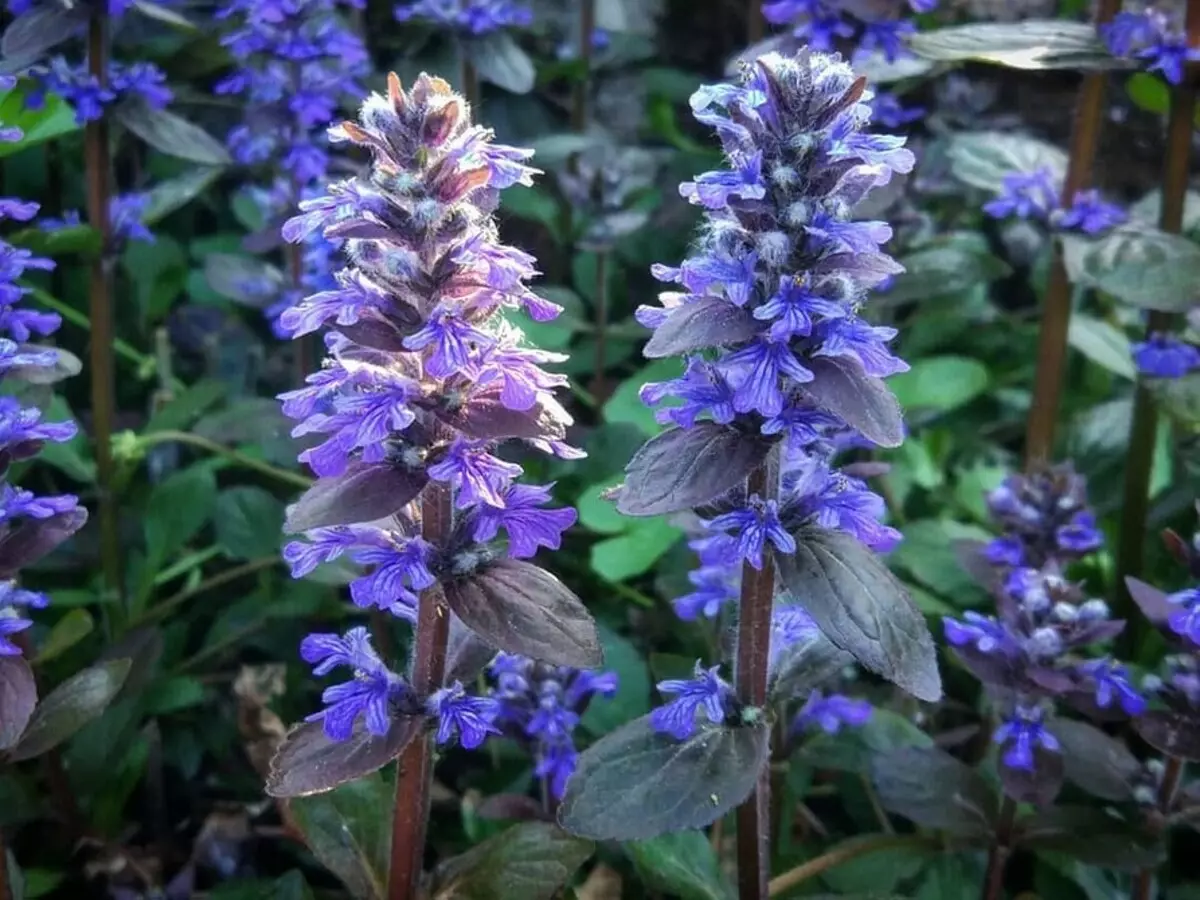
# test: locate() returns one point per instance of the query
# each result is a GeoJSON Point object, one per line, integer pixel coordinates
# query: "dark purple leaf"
{"type": "Point", "coordinates": [1096, 762]}
{"type": "Point", "coordinates": [1150, 600]}
{"type": "Point", "coordinates": [530, 861]}
{"type": "Point", "coordinates": [1173, 733]}
{"type": "Point", "coordinates": [42, 28]}
{"type": "Point", "coordinates": [512, 808]}
{"type": "Point", "coordinates": [308, 762]}
{"type": "Point", "coordinates": [930, 787]}
{"type": "Point", "coordinates": [70, 706]}
{"type": "Point", "coordinates": [483, 416]}
{"type": "Point", "coordinates": [143, 647]}
{"type": "Point", "coordinates": [34, 538]}
{"type": "Point", "coordinates": [805, 665]}
{"type": "Point", "coordinates": [1092, 836]}
{"type": "Point", "coordinates": [708, 322]}
{"type": "Point", "coordinates": [376, 333]}
{"type": "Point", "coordinates": [683, 468]}
{"type": "Point", "coordinates": [862, 608]}
{"type": "Point", "coordinates": [365, 492]}
{"type": "Point", "coordinates": [467, 653]}
{"type": "Point", "coordinates": [171, 134]}
{"type": "Point", "coordinates": [1039, 785]}
{"type": "Point", "coordinates": [18, 697]}
{"type": "Point", "coordinates": [866, 469]}
{"type": "Point", "coordinates": [520, 608]}
{"type": "Point", "coordinates": [861, 401]}
{"type": "Point", "coordinates": [636, 783]}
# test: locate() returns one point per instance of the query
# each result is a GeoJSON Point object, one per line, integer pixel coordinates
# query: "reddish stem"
{"type": "Point", "coordinates": [750, 677]}
{"type": "Point", "coordinates": [100, 310]}
{"type": "Point", "coordinates": [1056, 316]}
{"type": "Point", "coordinates": [582, 93]}
{"type": "Point", "coordinates": [599, 387]}
{"type": "Point", "coordinates": [1143, 882]}
{"type": "Point", "coordinates": [414, 775]}
{"type": "Point", "coordinates": [1142, 433]}
{"type": "Point", "coordinates": [993, 879]}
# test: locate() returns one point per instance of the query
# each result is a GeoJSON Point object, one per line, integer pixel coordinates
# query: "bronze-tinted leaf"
{"type": "Point", "coordinates": [637, 783]}
{"type": "Point", "coordinates": [520, 608]}
{"type": "Point", "coordinates": [363, 493]}
{"type": "Point", "coordinates": [1174, 733]}
{"type": "Point", "coordinates": [707, 322]}
{"type": "Point", "coordinates": [18, 697]}
{"type": "Point", "coordinates": [1150, 600]}
{"type": "Point", "coordinates": [70, 706]}
{"type": "Point", "coordinates": [840, 386]}
{"type": "Point", "coordinates": [308, 762]}
{"type": "Point", "coordinates": [486, 418]}
{"type": "Point", "coordinates": [531, 861]}
{"type": "Point", "coordinates": [1092, 836]}
{"type": "Point", "coordinates": [1038, 785]}
{"type": "Point", "coordinates": [466, 653]}
{"type": "Point", "coordinates": [1099, 764]}
{"type": "Point", "coordinates": [34, 538]}
{"type": "Point", "coordinates": [683, 468]}
{"type": "Point", "coordinates": [862, 608]}
{"type": "Point", "coordinates": [930, 787]}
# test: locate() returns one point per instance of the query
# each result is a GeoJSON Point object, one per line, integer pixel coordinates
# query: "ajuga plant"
{"type": "Point", "coordinates": [1155, 36]}
{"type": "Point", "coordinates": [296, 64]}
{"type": "Point", "coordinates": [1172, 723]}
{"type": "Point", "coordinates": [1035, 196]}
{"type": "Point", "coordinates": [423, 380]}
{"type": "Point", "coordinates": [777, 360]}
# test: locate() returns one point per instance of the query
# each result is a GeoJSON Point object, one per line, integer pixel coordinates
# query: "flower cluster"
{"type": "Point", "coordinates": [424, 377]}
{"type": "Point", "coordinates": [540, 706]}
{"type": "Point", "coordinates": [1155, 36]}
{"type": "Point", "coordinates": [833, 24]}
{"type": "Point", "coordinates": [1035, 195]}
{"type": "Point", "coordinates": [30, 526]}
{"type": "Point", "coordinates": [1165, 356]}
{"type": "Point", "coordinates": [468, 17]}
{"type": "Point", "coordinates": [141, 81]}
{"type": "Point", "coordinates": [125, 215]}
{"type": "Point", "coordinates": [1034, 650]}
{"type": "Point", "coordinates": [296, 63]}
{"type": "Point", "coordinates": [785, 271]}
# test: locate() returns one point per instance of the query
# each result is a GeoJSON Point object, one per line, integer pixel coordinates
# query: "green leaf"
{"type": "Point", "coordinates": [972, 485]}
{"type": "Point", "coordinates": [74, 457]}
{"type": "Point", "coordinates": [70, 706]}
{"type": "Point", "coordinates": [349, 830]}
{"type": "Point", "coordinates": [949, 266]}
{"type": "Point", "coordinates": [249, 522]}
{"type": "Point", "coordinates": [636, 551]}
{"type": "Point", "coordinates": [1097, 839]}
{"type": "Point", "coordinates": [172, 194]}
{"type": "Point", "coordinates": [633, 685]}
{"type": "Point", "coordinates": [626, 406]}
{"type": "Point", "coordinates": [173, 694]}
{"type": "Point", "coordinates": [1148, 92]}
{"type": "Point", "coordinates": [1031, 44]}
{"type": "Point", "coordinates": [53, 120]}
{"type": "Point", "coordinates": [171, 134]}
{"type": "Point", "coordinates": [76, 239]}
{"type": "Point", "coordinates": [983, 158]}
{"type": "Point", "coordinates": [940, 383]}
{"type": "Point", "coordinates": [530, 861]}
{"type": "Point", "coordinates": [600, 515]}
{"type": "Point", "coordinates": [862, 608]}
{"type": "Point", "coordinates": [68, 631]}
{"type": "Point", "coordinates": [291, 886]}
{"type": "Point", "coordinates": [1178, 397]}
{"type": "Point", "coordinates": [927, 554]}
{"type": "Point", "coordinates": [1102, 343]}
{"type": "Point", "coordinates": [880, 870]}
{"type": "Point", "coordinates": [1143, 266]}
{"type": "Point", "coordinates": [854, 749]}
{"type": "Point", "coordinates": [682, 864]}
{"type": "Point", "coordinates": [532, 203]}
{"type": "Point", "coordinates": [178, 508]}
{"type": "Point", "coordinates": [184, 409]}
{"type": "Point", "coordinates": [637, 783]}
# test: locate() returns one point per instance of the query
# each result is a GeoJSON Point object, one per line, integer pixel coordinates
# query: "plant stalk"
{"type": "Point", "coordinates": [1143, 882]}
{"type": "Point", "coordinates": [750, 677]}
{"type": "Point", "coordinates": [100, 309]}
{"type": "Point", "coordinates": [1056, 314]}
{"type": "Point", "coordinates": [470, 82]}
{"type": "Point", "coordinates": [583, 87]}
{"type": "Point", "coordinates": [993, 879]}
{"type": "Point", "coordinates": [5, 891]}
{"type": "Point", "coordinates": [843, 853]}
{"type": "Point", "coordinates": [756, 25]}
{"type": "Point", "coordinates": [414, 775]}
{"type": "Point", "coordinates": [598, 387]}
{"type": "Point", "coordinates": [1144, 428]}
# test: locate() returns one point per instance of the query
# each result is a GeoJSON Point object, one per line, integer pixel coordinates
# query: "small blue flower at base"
{"type": "Point", "coordinates": [755, 525]}
{"type": "Point", "coordinates": [1186, 621]}
{"type": "Point", "coordinates": [10, 625]}
{"type": "Point", "coordinates": [707, 692]}
{"type": "Point", "coordinates": [1021, 735]}
{"type": "Point", "coordinates": [458, 713]}
{"type": "Point", "coordinates": [1112, 685]}
{"type": "Point", "coordinates": [372, 693]}
{"type": "Point", "coordinates": [832, 713]}
{"type": "Point", "coordinates": [1165, 356]}
{"type": "Point", "coordinates": [1026, 195]}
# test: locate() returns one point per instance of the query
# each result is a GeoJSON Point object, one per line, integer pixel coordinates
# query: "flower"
{"type": "Point", "coordinates": [831, 713]}
{"type": "Point", "coordinates": [468, 17]}
{"type": "Point", "coordinates": [1022, 734]}
{"type": "Point", "coordinates": [1155, 35]}
{"type": "Point", "coordinates": [1165, 356]}
{"type": "Point", "coordinates": [424, 380]}
{"type": "Point", "coordinates": [706, 693]}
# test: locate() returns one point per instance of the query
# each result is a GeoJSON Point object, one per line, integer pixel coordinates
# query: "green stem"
{"type": "Point", "coordinates": [185, 565]}
{"type": "Point", "coordinates": [248, 462]}
{"type": "Point", "coordinates": [844, 853]}
{"type": "Point", "coordinates": [161, 610]}
{"type": "Point", "coordinates": [1139, 460]}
